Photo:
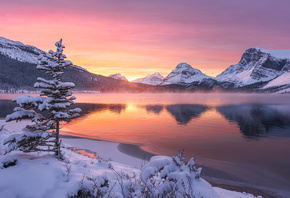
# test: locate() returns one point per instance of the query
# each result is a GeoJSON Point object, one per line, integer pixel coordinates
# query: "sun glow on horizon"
{"type": "Point", "coordinates": [140, 38]}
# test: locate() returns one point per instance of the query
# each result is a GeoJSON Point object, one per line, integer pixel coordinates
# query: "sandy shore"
{"type": "Point", "coordinates": [226, 175]}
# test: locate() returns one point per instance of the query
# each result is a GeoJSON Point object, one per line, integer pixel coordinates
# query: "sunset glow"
{"type": "Point", "coordinates": [136, 38]}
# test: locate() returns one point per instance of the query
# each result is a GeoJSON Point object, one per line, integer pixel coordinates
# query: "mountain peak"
{"type": "Point", "coordinates": [283, 54]}
{"type": "Point", "coordinates": [118, 76]}
{"type": "Point", "coordinates": [157, 74]}
{"type": "Point", "coordinates": [150, 79]}
{"type": "Point", "coordinates": [183, 66]}
{"type": "Point", "coordinates": [184, 74]}
{"type": "Point", "coordinates": [257, 65]}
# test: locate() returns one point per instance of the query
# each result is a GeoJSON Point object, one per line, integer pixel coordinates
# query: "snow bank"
{"type": "Point", "coordinates": [40, 175]}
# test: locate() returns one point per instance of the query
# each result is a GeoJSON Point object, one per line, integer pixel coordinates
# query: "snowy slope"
{"type": "Point", "coordinates": [283, 54]}
{"type": "Point", "coordinates": [23, 53]}
{"type": "Point", "coordinates": [257, 65]}
{"type": "Point", "coordinates": [18, 51]}
{"type": "Point", "coordinates": [118, 76]}
{"type": "Point", "coordinates": [153, 79]}
{"type": "Point", "coordinates": [279, 81]}
{"type": "Point", "coordinates": [184, 74]}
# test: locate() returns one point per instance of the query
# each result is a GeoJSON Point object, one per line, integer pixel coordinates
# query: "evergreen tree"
{"type": "Point", "coordinates": [55, 99]}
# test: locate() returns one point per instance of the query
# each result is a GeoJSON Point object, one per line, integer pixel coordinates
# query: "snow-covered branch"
{"type": "Point", "coordinates": [20, 114]}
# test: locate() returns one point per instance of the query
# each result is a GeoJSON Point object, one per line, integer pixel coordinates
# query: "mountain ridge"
{"type": "Point", "coordinates": [18, 73]}
{"type": "Point", "coordinates": [259, 70]}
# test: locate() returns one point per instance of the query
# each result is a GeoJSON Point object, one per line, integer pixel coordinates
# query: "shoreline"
{"type": "Point", "coordinates": [221, 179]}
{"type": "Point", "coordinates": [132, 155]}
{"type": "Point", "coordinates": [215, 176]}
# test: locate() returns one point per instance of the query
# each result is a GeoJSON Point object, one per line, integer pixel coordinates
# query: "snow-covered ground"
{"type": "Point", "coordinates": [41, 175]}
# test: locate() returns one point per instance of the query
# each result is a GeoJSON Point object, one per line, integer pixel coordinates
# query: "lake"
{"type": "Point", "coordinates": [242, 137]}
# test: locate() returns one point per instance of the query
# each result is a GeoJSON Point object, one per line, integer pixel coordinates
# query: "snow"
{"type": "Point", "coordinates": [118, 76]}
{"type": "Point", "coordinates": [280, 80]}
{"type": "Point", "coordinates": [14, 49]}
{"type": "Point", "coordinates": [154, 79]}
{"type": "Point", "coordinates": [27, 99]}
{"type": "Point", "coordinates": [251, 71]}
{"type": "Point", "coordinates": [20, 113]}
{"type": "Point", "coordinates": [103, 149]}
{"type": "Point", "coordinates": [33, 175]}
{"type": "Point", "coordinates": [184, 74]}
{"type": "Point", "coordinates": [283, 54]}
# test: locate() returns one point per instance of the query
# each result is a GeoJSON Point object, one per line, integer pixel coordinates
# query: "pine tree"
{"type": "Point", "coordinates": [55, 99]}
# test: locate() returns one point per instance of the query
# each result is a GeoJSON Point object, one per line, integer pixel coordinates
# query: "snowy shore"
{"type": "Point", "coordinates": [51, 177]}
{"type": "Point", "coordinates": [224, 175]}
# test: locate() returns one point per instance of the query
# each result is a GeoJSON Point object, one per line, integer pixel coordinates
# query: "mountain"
{"type": "Point", "coordinates": [257, 65]}
{"type": "Point", "coordinates": [118, 76]}
{"type": "Point", "coordinates": [259, 70]}
{"type": "Point", "coordinates": [184, 74]}
{"type": "Point", "coordinates": [154, 79]}
{"type": "Point", "coordinates": [18, 51]}
{"type": "Point", "coordinates": [18, 71]}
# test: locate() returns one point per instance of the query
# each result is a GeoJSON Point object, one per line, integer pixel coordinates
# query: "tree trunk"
{"type": "Point", "coordinates": [57, 146]}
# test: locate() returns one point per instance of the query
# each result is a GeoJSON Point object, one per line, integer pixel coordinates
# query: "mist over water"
{"type": "Point", "coordinates": [185, 98]}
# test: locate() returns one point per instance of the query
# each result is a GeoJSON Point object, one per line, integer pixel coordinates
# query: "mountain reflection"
{"type": "Point", "coordinates": [258, 120]}
{"type": "Point", "coordinates": [7, 106]}
{"type": "Point", "coordinates": [183, 113]}
{"type": "Point", "coordinates": [253, 120]}
{"type": "Point", "coordinates": [156, 109]}
{"type": "Point", "coordinates": [88, 108]}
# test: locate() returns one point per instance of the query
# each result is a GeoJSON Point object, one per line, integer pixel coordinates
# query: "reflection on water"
{"type": "Point", "coordinates": [259, 120]}
{"type": "Point", "coordinates": [156, 109]}
{"type": "Point", "coordinates": [88, 108]}
{"type": "Point", "coordinates": [183, 113]}
{"type": "Point", "coordinates": [250, 133]}
{"type": "Point", "coordinates": [253, 120]}
{"type": "Point", "coordinates": [85, 152]}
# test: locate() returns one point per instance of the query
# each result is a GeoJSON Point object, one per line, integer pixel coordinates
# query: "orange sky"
{"type": "Point", "coordinates": [137, 38]}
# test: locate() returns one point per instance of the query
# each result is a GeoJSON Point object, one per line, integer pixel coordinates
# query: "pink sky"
{"type": "Point", "coordinates": [137, 38]}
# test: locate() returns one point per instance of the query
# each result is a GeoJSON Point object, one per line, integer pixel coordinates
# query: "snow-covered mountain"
{"type": "Point", "coordinates": [153, 79]}
{"type": "Point", "coordinates": [18, 51]}
{"type": "Point", "coordinates": [118, 76]}
{"type": "Point", "coordinates": [18, 72]}
{"type": "Point", "coordinates": [257, 65]}
{"type": "Point", "coordinates": [258, 70]}
{"type": "Point", "coordinates": [23, 53]}
{"type": "Point", "coordinates": [184, 74]}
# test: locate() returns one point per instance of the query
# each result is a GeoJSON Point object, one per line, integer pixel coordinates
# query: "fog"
{"type": "Point", "coordinates": [210, 99]}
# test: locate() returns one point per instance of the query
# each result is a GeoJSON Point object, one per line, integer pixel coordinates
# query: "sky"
{"type": "Point", "coordinates": [136, 38]}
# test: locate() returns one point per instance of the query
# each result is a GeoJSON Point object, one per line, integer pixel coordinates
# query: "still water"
{"type": "Point", "coordinates": [236, 128]}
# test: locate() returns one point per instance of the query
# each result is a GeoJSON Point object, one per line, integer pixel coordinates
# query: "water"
{"type": "Point", "coordinates": [252, 130]}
